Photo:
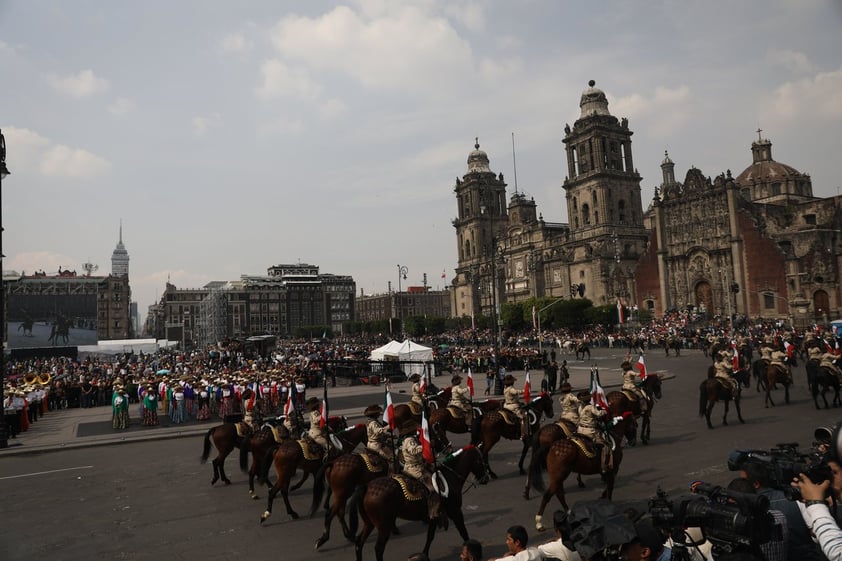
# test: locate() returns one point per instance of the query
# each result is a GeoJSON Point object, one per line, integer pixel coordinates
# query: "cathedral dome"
{"type": "Point", "coordinates": [478, 160]}
{"type": "Point", "coordinates": [764, 168]}
{"type": "Point", "coordinates": [593, 101]}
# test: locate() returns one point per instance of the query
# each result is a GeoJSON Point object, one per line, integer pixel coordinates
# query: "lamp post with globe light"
{"type": "Point", "coordinates": [4, 435]}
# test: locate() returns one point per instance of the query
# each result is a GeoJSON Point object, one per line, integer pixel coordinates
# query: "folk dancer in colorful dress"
{"type": "Point", "coordinates": [203, 402]}
{"type": "Point", "coordinates": [150, 407]}
{"type": "Point", "coordinates": [179, 410]}
{"type": "Point", "coordinates": [119, 408]}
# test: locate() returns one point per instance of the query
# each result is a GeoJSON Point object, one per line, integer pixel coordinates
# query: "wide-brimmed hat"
{"type": "Point", "coordinates": [565, 388]}
{"type": "Point", "coordinates": [373, 411]}
{"type": "Point", "coordinates": [408, 427]}
{"type": "Point", "coordinates": [455, 379]}
{"type": "Point", "coordinates": [626, 365]}
{"type": "Point", "coordinates": [508, 380]}
{"type": "Point", "coordinates": [415, 377]}
{"type": "Point", "coordinates": [814, 351]}
{"type": "Point", "coordinates": [312, 403]}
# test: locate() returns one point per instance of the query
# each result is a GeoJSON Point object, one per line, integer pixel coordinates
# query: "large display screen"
{"type": "Point", "coordinates": [51, 320]}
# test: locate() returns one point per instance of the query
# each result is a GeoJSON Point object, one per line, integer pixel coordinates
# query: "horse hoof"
{"type": "Point", "coordinates": [526, 495]}
{"type": "Point", "coordinates": [254, 497]}
{"type": "Point", "coordinates": [293, 515]}
{"type": "Point", "coordinates": [492, 475]}
{"type": "Point", "coordinates": [319, 543]}
{"type": "Point", "coordinates": [581, 484]}
{"type": "Point", "coordinates": [227, 481]}
{"type": "Point", "coordinates": [265, 516]}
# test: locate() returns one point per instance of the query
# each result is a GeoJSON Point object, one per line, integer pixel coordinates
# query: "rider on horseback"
{"type": "Point", "coordinates": [828, 360]}
{"type": "Point", "coordinates": [766, 349]}
{"type": "Point", "coordinates": [379, 435]}
{"type": "Point", "coordinates": [723, 369]}
{"type": "Point", "coordinates": [569, 404]}
{"type": "Point", "coordinates": [632, 383]}
{"type": "Point", "coordinates": [779, 361]}
{"type": "Point", "coordinates": [460, 398]}
{"type": "Point", "coordinates": [416, 467]}
{"type": "Point", "coordinates": [511, 402]}
{"type": "Point", "coordinates": [417, 396]}
{"type": "Point", "coordinates": [591, 419]}
{"type": "Point", "coordinates": [317, 433]}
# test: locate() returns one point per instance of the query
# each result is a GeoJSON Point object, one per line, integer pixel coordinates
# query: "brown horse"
{"type": "Point", "coordinates": [225, 438]}
{"type": "Point", "coordinates": [620, 402]}
{"type": "Point", "coordinates": [295, 454]}
{"type": "Point", "coordinates": [712, 390]}
{"type": "Point", "coordinates": [262, 445]}
{"type": "Point", "coordinates": [444, 419]}
{"type": "Point", "coordinates": [345, 476]}
{"type": "Point", "coordinates": [577, 455]}
{"type": "Point", "coordinates": [777, 375]}
{"type": "Point", "coordinates": [388, 498]}
{"type": "Point", "coordinates": [541, 444]}
{"type": "Point", "coordinates": [506, 424]}
{"type": "Point", "coordinates": [821, 380]}
{"type": "Point", "coordinates": [412, 411]}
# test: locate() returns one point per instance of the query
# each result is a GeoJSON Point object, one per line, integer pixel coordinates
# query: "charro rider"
{"type": "Point", "coordinates": [828, 361]}
{"type": "Point", "coordinates": [511, 401]}
{"type": "Point", "coordinates": [417, 396]}
{"type": "Point", "coordinates": [316, 433]}
{"type": "Point", "coordinates": [292, 423]}
{"type": "Point", "coordinates": [723, 369]}
{"type": "Point", "coordinates": [591, 419]}
{"type": "Point", "coordinates": [779, 360]}
{"type": "Point", "coordinates": [416, 467]}
{"type": "Point", "coordinates": [460, 398]}
{"type": "Point", "coordinates": [379, 435]}
{"type": "Point", "coordinates": [569, 404]}
{"type": "Point", "coordinates": [766, 349]}
{"type": "Point", "coordinates": [631, 383]}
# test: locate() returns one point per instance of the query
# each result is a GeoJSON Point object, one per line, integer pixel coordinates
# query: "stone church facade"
{"type": "Point", "coordinates": [759, 245]}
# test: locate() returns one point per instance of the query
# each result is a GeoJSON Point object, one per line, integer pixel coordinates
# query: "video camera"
{"type": "Point", "coordinates": [731, 520]}
{"type": "Point", "coordinates": [781, 465]}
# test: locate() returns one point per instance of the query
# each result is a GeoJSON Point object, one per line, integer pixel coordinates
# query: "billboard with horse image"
{"type": "Point", "coordinates": [51, 319]}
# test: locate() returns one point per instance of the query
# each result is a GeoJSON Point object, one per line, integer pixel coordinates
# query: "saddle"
{"type": "Point", "coordinates": [781, 373]}
{"type": "Point", "coordinates": [633, 397]}
{"type": "Point", "coordinates": [374, 462]}
{"type": "Point", "coordinates": [726, 385]}
{"type": "Point", "coordinates": [565, 426]}
{"type": "Point", "coordinates": [509, 417]}
{"type": "Point", "coordinates": [279, 433]}
{"type": "Point", "coordinates": [311, 449]}
{"type": "Point", "coordinates": [243, 429]}
{"type": "Point", "coordinates": [585, 444]}
{"type": "Point", "coordinates": [413, 490]}
{"type": "Point", "coordinates": [414, 408]}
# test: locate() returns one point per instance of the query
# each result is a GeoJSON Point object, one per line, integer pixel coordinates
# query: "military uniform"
{"type": "Point", "coordinates": [316, 432]}
{"type": "Point", "coordinates": [589, 418]}
{"type": "Point", "coordinates": [827, 362]}
{"type": "Point", "coordinates": [511, 402]}
{"type": "Point", "coordinates": [723, 370]}
{"type": "Point", "coordinates": [460, 398]}
{"type": "Point", "coordinates": [779, 360]}
{"type": "Point", "coordinates": [379, 435]}
{"type": "Point", "coordinates": [417, 396]}
{"type": "Point", "coordinates": [569, 407]}
{"type": "Point", "coordinates": [631, 382]}
{"type": "Point", "coordinates": [415, 466]}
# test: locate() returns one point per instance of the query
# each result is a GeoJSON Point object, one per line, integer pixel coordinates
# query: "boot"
{"type": "Point", "coordinates": [524, 430]}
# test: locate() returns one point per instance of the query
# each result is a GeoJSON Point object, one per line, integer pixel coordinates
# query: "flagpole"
{"type": "Point", "coordinates": [387, 401]}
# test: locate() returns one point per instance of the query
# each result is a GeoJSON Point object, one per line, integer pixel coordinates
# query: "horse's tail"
{"type": "Point", "coordinates": [353, 510]}
{"type": "Point", "coordinates": [244, 453]}
{"type": "Point", "coordinates": [703, 398]}
{"type": "Point", "coordinates": [267, 462]}
{"type": "Point", "coordinates": [476, 432]}
{"type": "Point", "coordinates": [320, 479]}
{"type": "Point", "coordinates": [536, 466]}
{"type": "Point", "coordinates": [206, 449]}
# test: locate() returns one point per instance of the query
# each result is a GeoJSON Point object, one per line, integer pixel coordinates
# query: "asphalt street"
{"type": "Point", "coordinates": [153, 500]}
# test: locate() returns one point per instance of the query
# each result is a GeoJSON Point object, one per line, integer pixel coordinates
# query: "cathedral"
{"type": "Point", "coordinates": [755, 245]}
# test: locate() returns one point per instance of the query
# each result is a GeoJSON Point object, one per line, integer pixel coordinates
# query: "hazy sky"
{"type": "Point", "coordinates": [232, 136]}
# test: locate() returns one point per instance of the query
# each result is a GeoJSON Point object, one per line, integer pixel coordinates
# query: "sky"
{"type": "Point", "coordinates": [228, 137]}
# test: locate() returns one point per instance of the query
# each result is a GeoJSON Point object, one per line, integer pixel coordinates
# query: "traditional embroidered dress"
{"type": "Point", "coordinates": [225, 398]}
{"type": "Point", "coordinates": [150, 409]}
{"type": "Point", "coordinates": [204, 405]}
{"type": "Point", "coordinates": [120, 410]}
{"type": "Point", "coordinates": [179, 411]}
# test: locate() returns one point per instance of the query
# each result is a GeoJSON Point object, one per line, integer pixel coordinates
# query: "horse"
{"type": "Point", "coordinates": [225, 438]}
{"type": "Point", "coordinates": [294, 454]}
{"type": "Point", "coordinates": [821, 380]}
{"type": "Point", "coordinates": [506, 424]}
{"type": "Point", "coordinates": [711, 391]}
{"type": "Point", "coordinates": [574, 455]}
{"type": "Point", "coordinates": [26, 326]}
{"type": "Point", "coordinates": [263, 443]}
{"type": "Point", "coordinates": [406, 411]}
{"type": "Point", "coordinates": [345, 476]}
{"type": "Point", "coordinates": [581, 349]}
{"type": "Point", "coordinates": [60, 329]}
{"type": "Point", "coordinates": [388, 498]}
{"type": "Point", "coordinates": [619, 402]}
{"type": "Point", "coordinates": [672, 342]}
{"type": "Point", "coordinates": [637, 345]}
{"type": "Point", "coordinates": [777, 375]}
{"type": "Point", "coordinates": [446, 419]}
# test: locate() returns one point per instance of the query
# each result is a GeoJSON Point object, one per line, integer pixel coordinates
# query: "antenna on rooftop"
{"type": "Point", "coordinates": [90, 268]}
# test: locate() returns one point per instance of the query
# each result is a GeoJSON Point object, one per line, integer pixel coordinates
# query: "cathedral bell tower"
{"type": "Point", "coordinates": [482, 218]}
{"type": "Point", "coordinates": [603, 200]}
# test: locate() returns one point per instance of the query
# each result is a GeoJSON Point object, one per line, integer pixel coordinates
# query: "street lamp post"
{"type": "Point", "coordinates": [538, 313]}
{"type": "Point", "coordinates": [495, 324]}
{"type": "Point", "coordinates": [4, 435]}
{"type": "Point", "coordinates": [402, 272]}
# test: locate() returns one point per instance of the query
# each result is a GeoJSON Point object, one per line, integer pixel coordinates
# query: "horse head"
{"type": "Point", "coordinates": [468, 461]}
{"type": "Point", "coordinates": [653, 387]}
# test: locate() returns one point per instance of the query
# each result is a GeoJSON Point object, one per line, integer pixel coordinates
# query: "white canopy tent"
{"type": "Point", "coordinates": [405, 351]}
{"type": "Point", "coordinates": [389, 350]}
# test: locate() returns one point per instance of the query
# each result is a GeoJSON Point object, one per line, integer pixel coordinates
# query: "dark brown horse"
{"type": "Point", "coordinates": [385, 500]}
{"type": "Point", "coordinates": [345, 476]}
{"type": "Point", "coordinates": [225, 438]}
{"type": "Point", "coordinates": [581, 349]}
{"type": "Point", "coordinates": [447, 419]}
{"type": "Point", "coordinates": [620, 402]}
{"type": "Point", "coordinates": [505, 424]}
{"type": "Point", "coordinates": [263, 443]}
{"type": "Point", "coordinates": [412, 411]}
{"type": "Point", "coordinates": [774, 375]}
{"type": "Point", "coordinates": [820, 380]}
{"type": "Point", "coordinates": [577, 455]}
{"type": "Point", "coordinates": [295, 454]}
{"type": "Point", "coordinates": [671, 342]}
{"type": "Point", "coordinates": [712, 390]}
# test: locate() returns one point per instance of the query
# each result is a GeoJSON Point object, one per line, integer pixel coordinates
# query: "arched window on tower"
{"type": "Point", "coordinates": [621, 211]}
{"type": "Point", "coordinates": [586, 214]}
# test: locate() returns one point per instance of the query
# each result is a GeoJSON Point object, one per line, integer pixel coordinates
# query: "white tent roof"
{"type": "Point", "coordinates": [390, 349]}
{"type": "Point", "coordinates": [405, 351]}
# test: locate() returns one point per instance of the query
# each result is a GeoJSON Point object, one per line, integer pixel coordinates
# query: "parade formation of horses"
{"type": "Point", "coordinates": [388, 498]}
{"type": "Point", "coordinates": [505, 424]}
{"type": "Point", "coordinates": [452, 419]}
{"type": "Point", "coordinates": [577, 454]}
{"type": "Point", "coordinates": [343, 477]}
{"type": "Point", "coordinates": [307, 455]}
{"type": "Point", "coordinates": [821, 380]}
{"type": "Point", "coordinates": [581, 348]}
{"type": "Point", "coordinates": [225, 438]}
{"type": "Point", "coordinates": [712, 390]}
{"type": "Point", "coordinates": [620, 402]}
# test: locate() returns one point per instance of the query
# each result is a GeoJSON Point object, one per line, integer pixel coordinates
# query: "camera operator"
{"type": "Point", "coordinates": [800, 544]}
{"type": "Point", "coordinates": [814, 509]}
{"type": "Point", "coordinates": [649, 545]}
{"type": "Point", "coordinates": [776, 548]}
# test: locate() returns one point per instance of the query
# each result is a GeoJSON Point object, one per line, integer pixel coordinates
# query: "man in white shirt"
{"type": "Point", "coordinates": [556, 548]}
{"type": "Point", "coordinates": [516, 542]}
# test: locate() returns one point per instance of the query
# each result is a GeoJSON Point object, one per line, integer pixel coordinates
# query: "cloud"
{"type": "Point", "coordinates": [236, 43]}
{"type": "Point", "coordinates": [32, 261]}
{"type": "Point", "coordinates": [794, 61]}
{"type": "Point", "coordinates": [62, 161]}
{"type": "Point", "coordinates": [279, 79]}
{"type": "Point", "coordinates": [332, 109]}
{"type": "Point", "coordinates": [468, 14]}
{"type": "Point", "coordinates": [80, 85]}
{"type": "Point", "coordinates": [23, 147]}
{"type": "Point", "coordinates": [121, 106]}
{"type": "Point", "coordinates": [201, 124]}
{"type": "Point", "coordinates": [819, 97]}
{"type": "Point", "coordinates": [665, 110]}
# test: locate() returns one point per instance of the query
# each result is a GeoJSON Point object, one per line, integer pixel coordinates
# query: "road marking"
{"type": "Point", "coordinates": [45, 472]}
